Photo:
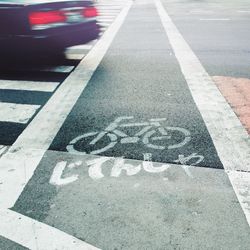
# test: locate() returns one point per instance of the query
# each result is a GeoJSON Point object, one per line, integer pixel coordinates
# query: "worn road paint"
{"type": "Point", "coordinates": [19, 113]}
{"type": "Point", "coordinates": [229, 137]}
{"type": "Point", "coordinates": [33, 234]}
{"type": "Point", "coordinates": [116, 165]}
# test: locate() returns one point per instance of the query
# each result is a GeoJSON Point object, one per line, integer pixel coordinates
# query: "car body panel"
{"type": "Point", "coordinates": [17, 33]}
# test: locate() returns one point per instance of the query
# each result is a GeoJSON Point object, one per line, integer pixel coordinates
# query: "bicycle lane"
{"type": "Point", "coordinates": [117, 203]}
{"type": "Point", "coordinates": [139, 77]}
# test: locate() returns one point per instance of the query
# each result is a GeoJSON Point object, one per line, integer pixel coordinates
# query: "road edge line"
{"type": "Point", "coordinates": [230, 138]}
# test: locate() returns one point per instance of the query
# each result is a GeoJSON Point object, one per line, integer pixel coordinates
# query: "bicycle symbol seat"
{"type": "Point", "coordinates": [150, 132]}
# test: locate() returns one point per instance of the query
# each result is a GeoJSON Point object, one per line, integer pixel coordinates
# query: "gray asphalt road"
{"type": "Point", "coordinates": [217, 32]}
{"type": "Point", "coordinates": [178, 208]}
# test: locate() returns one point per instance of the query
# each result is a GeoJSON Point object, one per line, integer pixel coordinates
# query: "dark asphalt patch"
{"type": "Point", "coordinates": [6, 244]}
{"type": "Point", "coordinates": [9, 132]}
{"type": "Point", "coordinates": [24, 97]}
{"type": "Point", "coordinates": [140, 77]}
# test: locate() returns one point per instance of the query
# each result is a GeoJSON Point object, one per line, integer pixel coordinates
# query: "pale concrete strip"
{"type": "Point", "coordinates": [229, 137]}
{"type": "Point", "coordinates": [29, 85]}
{"type": "Point", "coordinates": [18, 113]}
{"type": "Point", "coordinates": [36, 235]}
{"type": "Point", "coordinates": [25, 154]}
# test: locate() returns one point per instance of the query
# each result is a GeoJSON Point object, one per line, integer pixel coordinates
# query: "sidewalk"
{"type": "Point", "coordinates": [237, 93]}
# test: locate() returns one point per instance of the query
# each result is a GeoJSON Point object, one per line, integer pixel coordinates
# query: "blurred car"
{"type": "Point", "coordinates": [46, 25]}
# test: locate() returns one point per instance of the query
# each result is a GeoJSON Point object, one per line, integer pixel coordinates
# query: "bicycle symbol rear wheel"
{"type": "Point", "coordinates": [72, 146]}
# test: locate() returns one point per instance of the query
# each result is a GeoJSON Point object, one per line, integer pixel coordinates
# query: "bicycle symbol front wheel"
{"type": "Point", "coordinates": [73, 149]}
{"type": "Point", "coordinates": [166, 133]}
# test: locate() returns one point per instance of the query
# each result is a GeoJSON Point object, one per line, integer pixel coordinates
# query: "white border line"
{"type": "Point", "coordinates": [19, 163]}
{"type": "Point", "coordinates": [231, 140]}
{"type": "Point", "coordinates": [36, 235]}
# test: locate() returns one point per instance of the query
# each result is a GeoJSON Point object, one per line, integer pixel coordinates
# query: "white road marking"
{"type": "Point", "coordinates": [108, 16]}
{"type": "Point", "coordinates": [103, 19]}
{"type": "Point", "coordinates": [243, 11]}
{"type": "Point", "coordinates": [231, 140]}
{"type": "Point", "coordinates": [58, 69]}
{"type": "Point", "coordinates": [104, 24]}
{"type": "Point", "coordinates": [29, 85]}
{"type": "Point", "coordinates": [110, 7]}
{"type": "Point", "coordinates": [3, 149]}
{"type": "Point", "coordinates": [25, 154]}
{"type": "Point", "coordinates": [19, 113]}
{"type": "Point", "coordinates": [19, 163]}
{"type": "Point", "coordinates": [114, 167]}
{"type": "Point", "coordinates": [33, 234]}
{"type": "Point", "coordinates": [103, 29]}
{"type": "Point", "coordinates": [75, 56]}
{"type": "Point", "coordinates": [56, 178]}
{"type": "Point", "coordinates": [214, 19]}
{"type": "Point", "coordinates": [81, 47]}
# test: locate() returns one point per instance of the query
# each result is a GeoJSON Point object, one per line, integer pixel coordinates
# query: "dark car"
{"type": "Point", "coordinates": [46, 26]}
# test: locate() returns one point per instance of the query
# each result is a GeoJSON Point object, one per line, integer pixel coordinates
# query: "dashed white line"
{"type": "Point", "coordinates": [28, 85]}
{"type": "Point", "coordinates": [18, 113]}
{"type": "Point", "coordinates": [231, 140]}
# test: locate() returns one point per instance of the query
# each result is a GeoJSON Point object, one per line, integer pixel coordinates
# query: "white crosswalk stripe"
{"type": "Point", "coordinates": [22, 113]}
{"type": "Point", "coordinates": [108, 11]}
{"type": "Point", "coordinates": [28, 85]}
{"type": "Point", "coordinates": [18, 113]}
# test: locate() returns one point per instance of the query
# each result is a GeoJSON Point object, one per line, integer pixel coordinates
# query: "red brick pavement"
{"type": "Point", "coordinates": [237, 93]}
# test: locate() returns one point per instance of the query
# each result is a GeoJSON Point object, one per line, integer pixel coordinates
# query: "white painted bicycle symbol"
{"type": "Point", "coordinates": [150, 133]}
